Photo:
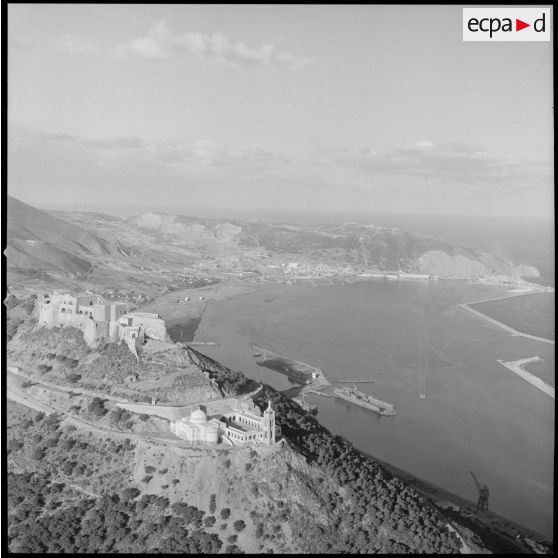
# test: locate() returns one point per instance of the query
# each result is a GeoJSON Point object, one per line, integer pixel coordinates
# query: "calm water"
{"type": "Point", "coordinates": [410, 337]}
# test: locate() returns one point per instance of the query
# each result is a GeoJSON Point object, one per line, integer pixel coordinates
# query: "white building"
{"type": "Point", "coordinates": [243, 424]}
{"type": "Point", "coordinates": [197, 428]}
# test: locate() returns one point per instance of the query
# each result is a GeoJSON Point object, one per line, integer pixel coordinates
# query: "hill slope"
{"type": "Point", "coordinates": [361, 246]}
{"type": "Point", "coordinates": [38, 240]}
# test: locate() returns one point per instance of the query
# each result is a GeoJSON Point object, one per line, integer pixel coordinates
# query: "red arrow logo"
{"type": "Point", "coordinates": [519, 25]}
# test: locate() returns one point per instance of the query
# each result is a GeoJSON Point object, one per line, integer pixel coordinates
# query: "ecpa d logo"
{"type": "Point", "coordinates": [506, 24]}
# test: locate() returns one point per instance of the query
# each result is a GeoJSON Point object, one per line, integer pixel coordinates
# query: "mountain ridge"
{"type": "Point", "coordinates": [73, 241]}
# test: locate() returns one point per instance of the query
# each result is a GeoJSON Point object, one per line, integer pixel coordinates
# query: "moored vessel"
{"type": "Point", "coordinates": [353, 395]}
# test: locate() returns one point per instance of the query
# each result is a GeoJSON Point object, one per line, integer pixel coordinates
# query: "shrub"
{"type": "Point", "coordinates": [73, 378]}
{"type": "Point", "coordinates": [144, 417]}
{"type": "Point", "coordinates": [72, 362]}
{"type": "Point", "coordinates": [225, 513]}
{"type": "Point", "coordinates": [149, 469]}
{"type": "Point", "coordinates": [97, 407]}
{"type": "Point", "coordinates": [239, 525]}
{"type": "Point", "coordinates": [209, 521]}
{"type": "Point", "coordinates": [130, 493]}
{"type": "Point", "coordinates": [212, 503]}
{"type": "Point", "coordinates": [232, 538]}
{"type": "Point", "coordinates": [60, 358]}
{"type": "Point", "coordinates": [14, 445]}
{"type": "Point", "coordinates": [38, 453]}
{"type": "Point", "coordinates": [50, 356]}
{"type": "Point", "coordinates": [147, 479]}
{"type": "Point", "coordinates": [51, 442]}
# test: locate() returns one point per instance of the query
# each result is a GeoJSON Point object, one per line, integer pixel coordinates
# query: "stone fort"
{"type": "Point", "coordinates": [101, 320]}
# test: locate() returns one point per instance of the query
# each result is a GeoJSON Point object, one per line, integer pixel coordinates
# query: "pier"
{"type": "Point", "coordinates": [354, 381]}
{"type": "Point", "coordinates": [316, 392]}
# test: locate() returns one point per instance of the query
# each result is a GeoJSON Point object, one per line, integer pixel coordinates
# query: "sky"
{"type": "Point", "coordinates": [295, 108]}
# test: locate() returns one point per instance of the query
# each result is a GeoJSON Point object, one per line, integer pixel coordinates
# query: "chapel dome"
{"type": "Point", "coordinates": [198, 417]}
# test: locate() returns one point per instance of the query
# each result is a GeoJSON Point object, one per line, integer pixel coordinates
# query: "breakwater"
{"type": "Point", "coordinates": [516, 367]}
{"type": "Point", "coordinates": [511, 330]}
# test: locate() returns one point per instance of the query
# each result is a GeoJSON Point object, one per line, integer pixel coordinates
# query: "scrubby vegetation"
{"type": "Point", "coordinates": [369, 512]}
{"type": "Point", "coordinates": [61, 355]}
{"type": "Point", "coordinates": [230, 382]}
{"type": "Point", "coordinates": [53, 474]}
{"type": "Point", "coordinates": [113, 522]}
{"type": "Point", "coordinates": [19, 310]}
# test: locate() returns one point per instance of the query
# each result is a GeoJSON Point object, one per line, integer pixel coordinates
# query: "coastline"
{"type": "Point", "coordinates": [462, 509]}
{"type": "Point", "coordinates": [364, 280]}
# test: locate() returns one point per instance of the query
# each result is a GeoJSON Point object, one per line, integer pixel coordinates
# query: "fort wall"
{"type": "Point", "coordinates": [101, 320]}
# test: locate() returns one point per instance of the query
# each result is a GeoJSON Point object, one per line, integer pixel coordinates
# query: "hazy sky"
{"type": "Point", "coordinates": [326, 108]}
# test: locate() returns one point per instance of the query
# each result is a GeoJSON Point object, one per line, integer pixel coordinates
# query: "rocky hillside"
{"type": "Point", "coordinates": [74, 242]}
{"type": "Point", "coordinates": [361, 246]}
{"type": "Point", "coordinates": [38, 240]}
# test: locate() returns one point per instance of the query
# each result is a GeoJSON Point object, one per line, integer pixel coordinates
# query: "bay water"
{"type": "Point", "coordinates": [411, 338]}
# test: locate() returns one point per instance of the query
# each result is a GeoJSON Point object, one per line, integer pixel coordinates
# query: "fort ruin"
{"type": "Point", "coordinates": [100, 320]}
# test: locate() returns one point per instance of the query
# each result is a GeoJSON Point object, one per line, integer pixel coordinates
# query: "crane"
{"type": "Point", "coordinates": [482, 502]}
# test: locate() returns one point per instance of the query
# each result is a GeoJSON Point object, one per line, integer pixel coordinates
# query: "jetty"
{"type": "Point", "coordinates": [516, 367]}
{"type": "Point", "coordinates": [354, 381]}
{"type": "Point", "coordinates": [298, 371]}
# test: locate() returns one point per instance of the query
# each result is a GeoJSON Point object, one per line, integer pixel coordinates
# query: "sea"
{"type": "Point", "coordinates": [459, 409]}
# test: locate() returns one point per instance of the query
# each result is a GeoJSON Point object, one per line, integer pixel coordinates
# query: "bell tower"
{"type": "Point", "coordinates": [269, 425]}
